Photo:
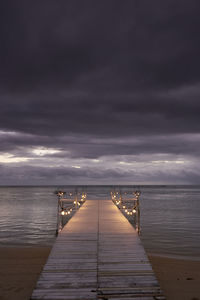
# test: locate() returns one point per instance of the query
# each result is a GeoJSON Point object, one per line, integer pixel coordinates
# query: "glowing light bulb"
{"type": "Point", "coordinates": [123, 206]}
{"type": "Point", "coordinates": [62, 213]}
{"type": "Point", "coordinates": [134, 211]}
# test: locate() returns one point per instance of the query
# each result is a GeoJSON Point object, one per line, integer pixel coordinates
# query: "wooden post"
{"type": "Point", "coordinates": [62, 208]}
{"type": "Point", "coordinates": [120, 193]}
{"type": "Point", "coordinates": [58, 214]}
{"type": "Point", "coordinates": [138, 213]}
{"type": "Point", "coordinates": [76, 198]}
{"type": "Point", "coordinates": [139, 227]}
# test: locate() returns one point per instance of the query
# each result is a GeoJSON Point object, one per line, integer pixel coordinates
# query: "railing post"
{"type": "Point", "coordinates": [138, 211]}
{"type": "Point", "coordinates": [120, 193]}
{"type": "Point", "coordinates": [58, 213]}
{"type": "Point", "coordinates": [76, 198]}
{"type": "Point", "coordinates": [138, 217]}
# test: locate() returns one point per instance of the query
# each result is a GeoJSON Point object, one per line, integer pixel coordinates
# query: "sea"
{"type": "Point", "coordinates": [170, 216]}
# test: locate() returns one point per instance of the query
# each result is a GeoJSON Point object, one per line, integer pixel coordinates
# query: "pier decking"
{"type": "Point", "coordinates": [97, 255]}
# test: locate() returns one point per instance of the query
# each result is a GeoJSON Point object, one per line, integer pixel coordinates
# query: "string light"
{"type": "Point", "coordinates": [66, 211]}
{"type": "Point", "coordinates": [127, 210]}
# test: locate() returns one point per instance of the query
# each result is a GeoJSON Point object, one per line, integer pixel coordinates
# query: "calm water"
{"type": "Point", "coordinates": [170, 219]}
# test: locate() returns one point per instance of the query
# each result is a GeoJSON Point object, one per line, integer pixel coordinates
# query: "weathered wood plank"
{"type": "Point", "coordinates": [98, 255]}
{"type": "Point", "coordinates": [123, 267]}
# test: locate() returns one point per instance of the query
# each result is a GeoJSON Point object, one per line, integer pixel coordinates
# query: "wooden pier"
{"type": "Point", "coordinates": [98, 255]}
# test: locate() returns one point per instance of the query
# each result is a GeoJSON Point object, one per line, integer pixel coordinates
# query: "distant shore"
{"type": "Point", "coordinates": [20, 269]}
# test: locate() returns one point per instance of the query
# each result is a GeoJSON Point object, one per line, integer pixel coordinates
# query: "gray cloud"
{"type": "Point", "coordinates": [62, 176]}
{"type": "Point", "coordinates": [99, 79]}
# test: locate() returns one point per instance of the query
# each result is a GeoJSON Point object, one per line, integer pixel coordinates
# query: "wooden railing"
{"type": "Point", "coordinates": [129, 204]}
{"type": "Point", "coordinates": [68, 204]}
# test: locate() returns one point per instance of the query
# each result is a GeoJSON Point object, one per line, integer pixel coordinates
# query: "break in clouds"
{"type": "Point", "coordinates": [99, 92]}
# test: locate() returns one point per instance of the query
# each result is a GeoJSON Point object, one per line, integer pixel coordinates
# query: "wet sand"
{"type": "Point", "coordinates": [20, 268]}
{"type": "Point", "coordinates": [19, 271]}
{"type": "Point", "coordinates": [179, 279]}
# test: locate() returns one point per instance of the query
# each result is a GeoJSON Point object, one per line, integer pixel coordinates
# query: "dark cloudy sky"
{"type": "Point", "coordinates": [99, 92]}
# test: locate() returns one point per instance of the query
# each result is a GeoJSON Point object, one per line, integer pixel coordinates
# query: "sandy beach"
{"type": "Point", "coordinates": [179, 279]}
{"type": "Point", "coordinates": [20, 268]}
{"type": "Point", "coordinates": [19, 271]}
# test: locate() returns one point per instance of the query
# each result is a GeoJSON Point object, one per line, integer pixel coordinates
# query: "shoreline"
{"type": "Point", "coordinates": [173, 256]}
{"type": "Point", "coordinates": [20, 268]}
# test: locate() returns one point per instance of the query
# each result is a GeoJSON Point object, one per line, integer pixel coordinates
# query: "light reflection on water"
{"type": "Point", "coordinates": [169, 216]}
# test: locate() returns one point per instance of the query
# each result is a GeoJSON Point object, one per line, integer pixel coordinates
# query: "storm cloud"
{"type": "Point", "coordinates": [99, 92]}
